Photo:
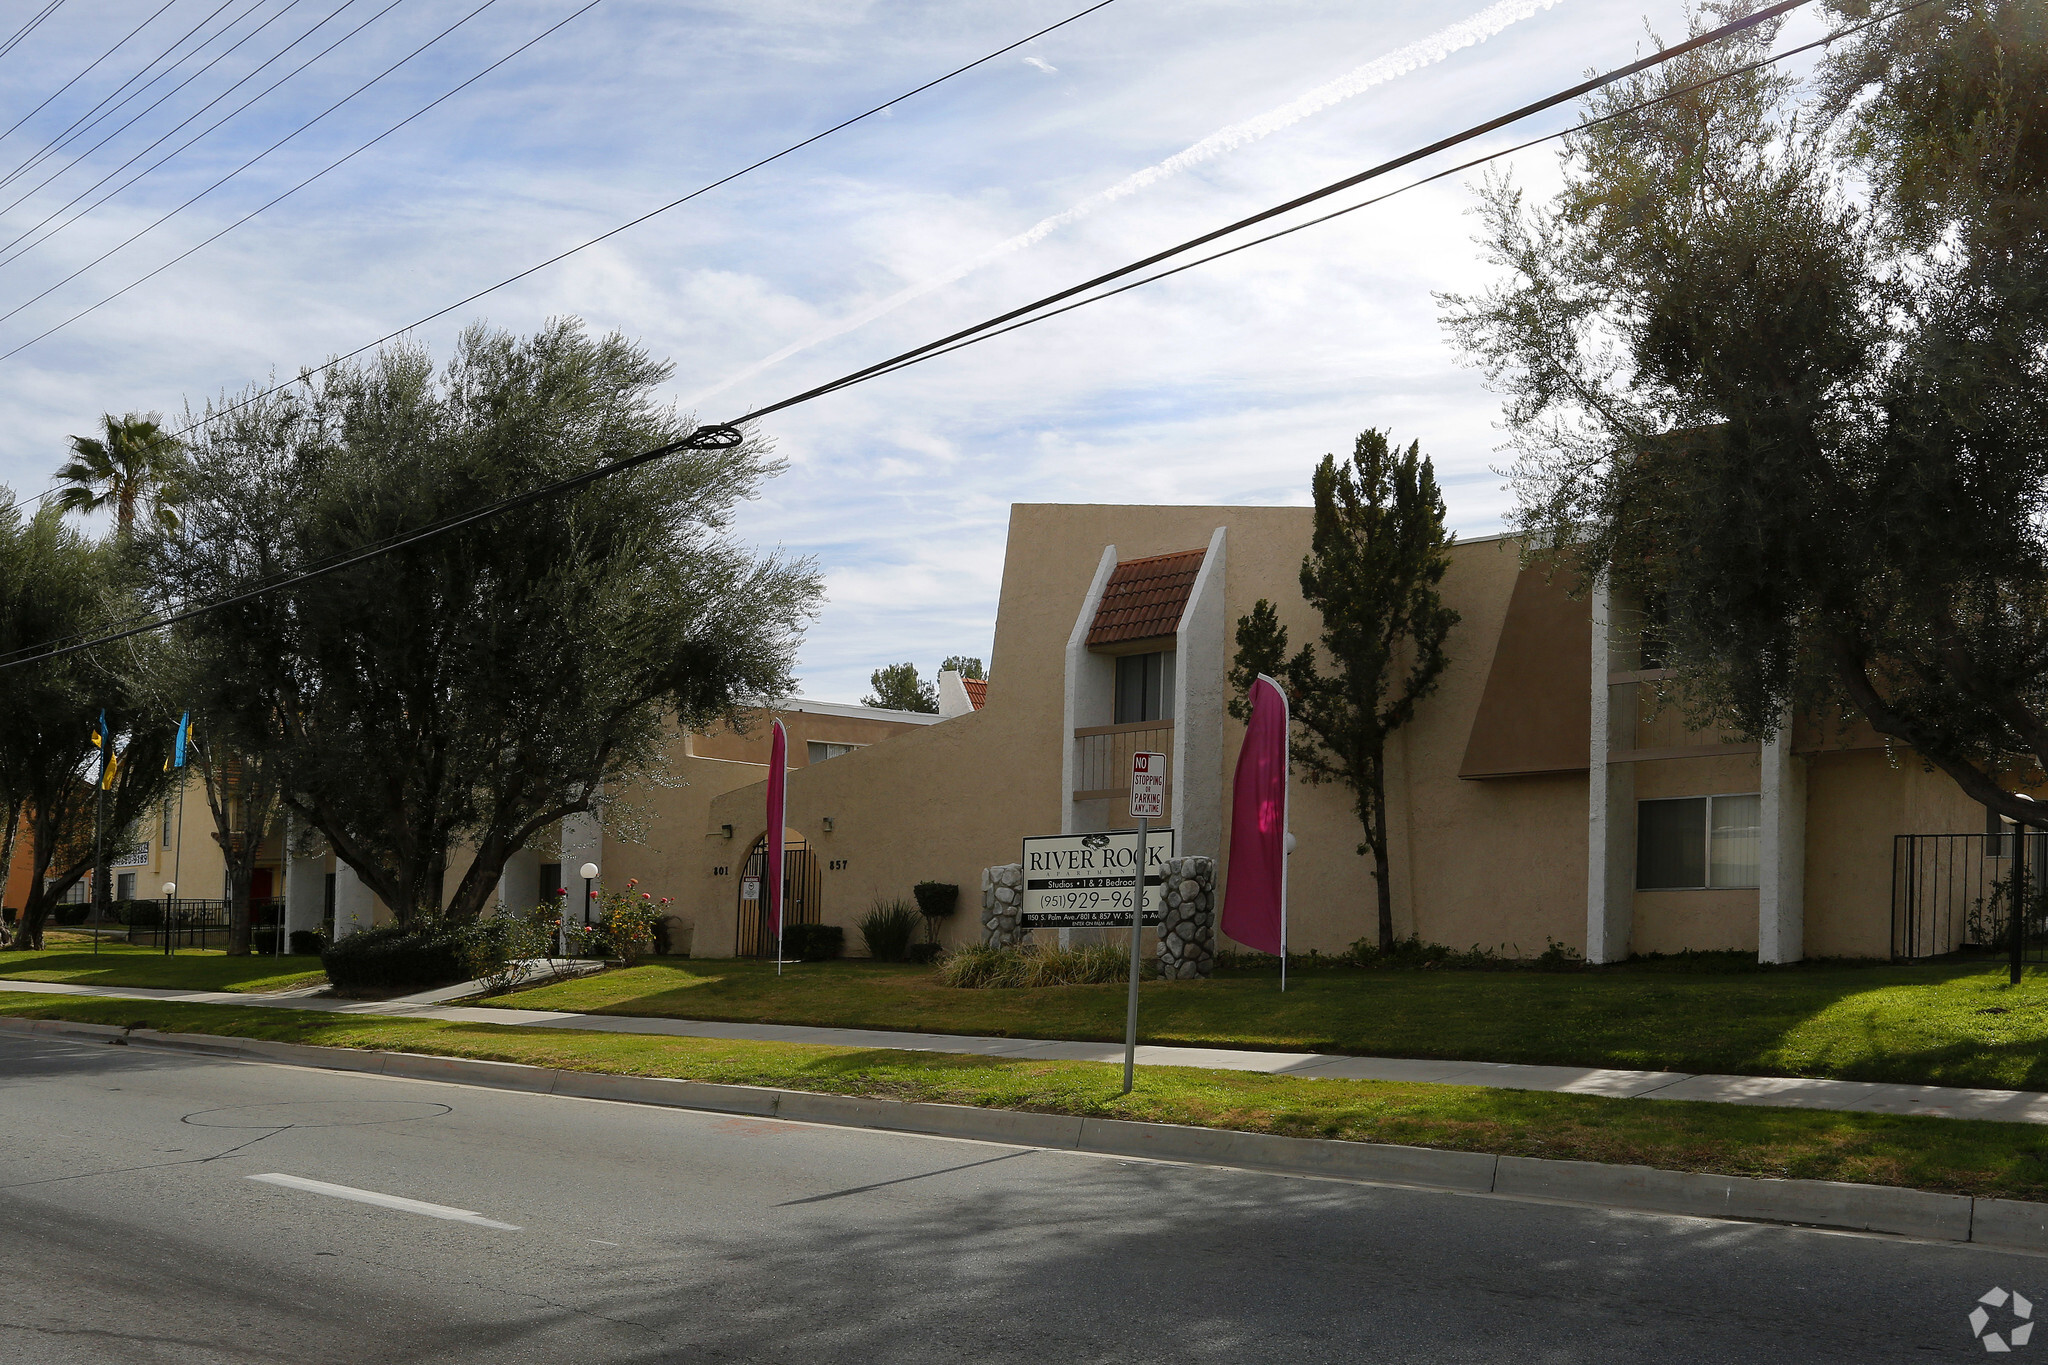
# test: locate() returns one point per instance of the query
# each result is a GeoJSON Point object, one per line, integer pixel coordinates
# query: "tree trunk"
{"type": "Point", "coordinates": [1382, 878]}
{"type": "Point", "coordinates": [7, 853]}
{"type": "Point", "coordinates": [239, 876]}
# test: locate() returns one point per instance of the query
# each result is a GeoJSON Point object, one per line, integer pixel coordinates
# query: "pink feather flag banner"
{"type": "Point", "coordinates": [1255, 896]}
{"type": "Point", "coordinates": [778, 801]}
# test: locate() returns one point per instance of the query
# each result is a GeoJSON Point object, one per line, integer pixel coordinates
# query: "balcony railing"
{"type": "Point", "coordinates": [1102, 755]}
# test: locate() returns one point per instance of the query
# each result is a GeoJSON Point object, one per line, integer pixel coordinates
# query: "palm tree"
{"type": "Point", "coordinates": [129, 465]}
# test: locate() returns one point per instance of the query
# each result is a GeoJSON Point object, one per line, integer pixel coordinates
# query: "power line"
{"type": "Point", "coordinates": [180, 42]}
{"type": "Point", "coordinates": [652, 213]}
{"type": "Point", "coordinates": [30, 27]}
{"type": "Point", "coordinates": [1667, 97]}
{"type": "Point", "coordinates": [88, 70]}
{"type": "Point", "coordinates": [141, 232]}
{"type": "Point", "coordinates": [84, 126]}
{"type": "Point", "coordinates": [603, 236]}
{"type": "Point", "coordinates": [725, 435]}
{"type": "Point", "coordinates": [137, 117]}
{"type": "Point", "coordinates": [208, 131]}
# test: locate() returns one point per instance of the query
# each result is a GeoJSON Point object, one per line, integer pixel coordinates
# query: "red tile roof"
{"type": "Point", "coordinates": [1144, 598]}
{"type": "Point", "coordinates": [977, 691]}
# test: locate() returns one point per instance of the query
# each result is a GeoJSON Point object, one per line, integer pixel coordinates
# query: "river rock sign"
{"type": "Point", "coordinates": [1074, 881]}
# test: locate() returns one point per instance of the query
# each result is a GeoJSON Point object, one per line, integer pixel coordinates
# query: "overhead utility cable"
{"type": "Point", "coordinates": [727, 434]}
{"type": "Point", "coordinates": [228, 117]}
{"type": "Point", "coordinates": [580, 246]}
{"type": "Point", "coordinates": [31, 26]}
{"type": "Point", "coordinates": [83, 126]}
{"type": "Point", "coordinates": [88, 70]}
{"type": "Point", "coordinates": [144, 231]}
{"type": "Point", "coordinates": [104, 99]}
{"type": "Point", "coordinates": [651, 213]}
{"type": "Point", "coordinates": [145, 112]}
{"type": "Point", "coordinates": [1447, 172]}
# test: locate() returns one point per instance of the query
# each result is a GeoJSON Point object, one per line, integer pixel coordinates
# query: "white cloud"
{"type": "Point", "coordinates": [1223, 385]}
{"type": "Point", "coordinates": [1047, 67]}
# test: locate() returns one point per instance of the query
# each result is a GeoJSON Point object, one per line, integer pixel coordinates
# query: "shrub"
{"type": "Point", "coordinates": [813, 942]}
{"type": "Point", "coordinates": [71, 914]}
{"type": "Point", "coordinates": [1093, 964]}
{"type": "Point", "coordinates": [888, 928]}
{"type": "Point", "coordinates": [304, 942]}
{"type": "Point", "coordinates": [142, 914]}
{"type": "Point", "coordinates": [936, 900]}
{"type": "Point", "coordinates": [424, 953]}
{"type": "Point", "coordinates": [923, 954]}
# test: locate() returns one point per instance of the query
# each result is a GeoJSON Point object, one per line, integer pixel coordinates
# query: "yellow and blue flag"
{"type": "Point", "coordinates": [104, 742]}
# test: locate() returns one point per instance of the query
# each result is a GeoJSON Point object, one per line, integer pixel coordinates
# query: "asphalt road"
{"type": "Point", "coordinates": [131, 1229]}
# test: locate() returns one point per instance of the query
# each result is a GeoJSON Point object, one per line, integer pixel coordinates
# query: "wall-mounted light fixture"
{"type": "Point", "coordinates": [727, 829]}
{"type": "Point", "coordinates": [828, 824]}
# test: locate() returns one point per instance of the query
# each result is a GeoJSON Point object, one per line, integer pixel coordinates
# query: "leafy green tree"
{"type": "Point", "coordinates": [55, 585]}
{"type": "Point", "coordinates": [471, 690]}
{"type": "Point", "coordinates": [898, 688]}
{"type": "Point", "coordinates": [1377, 555]}
{"type": "Point", "coordinates": [1776, 359]}
{"type": "Point", "coordinates": [128, 467]}
{"type": "Point", "coordinates": [967, 667]}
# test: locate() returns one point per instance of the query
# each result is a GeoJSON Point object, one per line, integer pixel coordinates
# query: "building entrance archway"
{"type": "Point", "coordinates": [800, 898]}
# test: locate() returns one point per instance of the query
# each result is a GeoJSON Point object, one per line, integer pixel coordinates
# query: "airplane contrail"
{"type": "Point", "coordinates": [1423, 52]}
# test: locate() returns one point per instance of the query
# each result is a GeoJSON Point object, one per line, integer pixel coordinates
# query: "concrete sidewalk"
{"type": "Point", "coordinates": [2011, 1106]}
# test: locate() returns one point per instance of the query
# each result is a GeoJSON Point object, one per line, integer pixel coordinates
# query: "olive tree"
{"type": "Point", "coordinates": [470, 690]}
{"type": "Point", "coordinates": [1776, 358]}
{"type": "Point", "coordinates": [55, 587]}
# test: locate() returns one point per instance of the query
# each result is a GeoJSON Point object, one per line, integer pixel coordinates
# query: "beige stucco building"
{"type": "Point", "coordinates": [1538, 796]}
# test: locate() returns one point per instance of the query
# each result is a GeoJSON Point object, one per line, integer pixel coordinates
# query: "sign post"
{"type": "Point", "coordinates": [1148, 803]}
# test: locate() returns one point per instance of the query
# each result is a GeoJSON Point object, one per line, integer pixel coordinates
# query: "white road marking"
{"type": "Point", "coordinates": [387, 1201]}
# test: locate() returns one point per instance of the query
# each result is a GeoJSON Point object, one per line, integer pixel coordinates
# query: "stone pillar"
{"type": "Point", "coordinates": [355, 908]}
{"type": "Point", "coordinates": [1187, 919]}
{"type": "Point", "coordinates": [305, 879]}
{"type": "Point", "coordinates": [1781, 880]}
{"type": "Point", "coordinates": [1002, 902]}
{"type": "Point", "coordinates": [1610, 800]}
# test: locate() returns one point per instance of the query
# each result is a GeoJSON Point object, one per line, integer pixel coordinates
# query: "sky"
{"type": "Point", "coordinates": [1224, 385]}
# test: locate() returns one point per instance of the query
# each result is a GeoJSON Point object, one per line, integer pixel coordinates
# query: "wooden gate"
{"type": "Point", "coordinates": [800, 885]}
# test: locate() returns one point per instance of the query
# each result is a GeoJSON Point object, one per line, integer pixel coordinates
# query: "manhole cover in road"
{"type": "Point", "coordinates": [318, 1114]}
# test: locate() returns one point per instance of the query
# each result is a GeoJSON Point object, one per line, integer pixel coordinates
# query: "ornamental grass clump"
{"type": "Point", "coordinates": [1091, 964]}
{"type": "Point", "coordinates": [888, 929]}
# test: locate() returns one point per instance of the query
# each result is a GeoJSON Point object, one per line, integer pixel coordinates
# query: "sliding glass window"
{"type": "Point", "coordinates": [1692, 843]}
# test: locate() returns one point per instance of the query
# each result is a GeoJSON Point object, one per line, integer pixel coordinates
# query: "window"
{"type": "Point", "coordinates": [124, 886]}
{"type": "Point", "coordinates": [169, 834]}
{"type": "Point", "coordinates": [1699, 841]}
{"type": "Point", "coordinates": [819, 750]}
{"type": "Point", "coordinates": [1144, 687]}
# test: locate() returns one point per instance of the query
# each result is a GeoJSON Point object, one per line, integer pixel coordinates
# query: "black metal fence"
{"type": "Point", "coordinates": [1954, 892]}
{"type": "Point", "coordinates": [200, 923]}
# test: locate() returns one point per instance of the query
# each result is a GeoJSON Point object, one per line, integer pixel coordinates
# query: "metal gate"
{"type": "Point", "coordinates": [800, 886]}
{"type": "Point", "coordinates": [1952, 892]}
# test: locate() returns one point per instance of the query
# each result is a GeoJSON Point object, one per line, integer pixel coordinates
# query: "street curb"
{"type": "Point", "coordinates": [2005, 1223]}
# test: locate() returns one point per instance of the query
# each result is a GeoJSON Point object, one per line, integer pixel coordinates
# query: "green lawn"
{"type": "Point", "coordinates": [1918, 1024]}
{"type": "Point", "coordinates": [192, 969]}
{"type": "Point", "coordinates": [1956, 1155]}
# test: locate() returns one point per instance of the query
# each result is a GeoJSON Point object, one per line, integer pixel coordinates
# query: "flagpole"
{"type": "Point", "coordinates": [1286, 817]}
{"type": "Point", "coordinates": [177, 863]}
{"type": "Point", "coordinates": [99, 835]}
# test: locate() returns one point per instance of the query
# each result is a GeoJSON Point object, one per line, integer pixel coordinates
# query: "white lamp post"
{"type": "Point", "coordinates": [589, 874]}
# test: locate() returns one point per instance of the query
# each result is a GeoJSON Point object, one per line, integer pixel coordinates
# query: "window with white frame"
{"type": "Point", "coordinates": [1691, 843]}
